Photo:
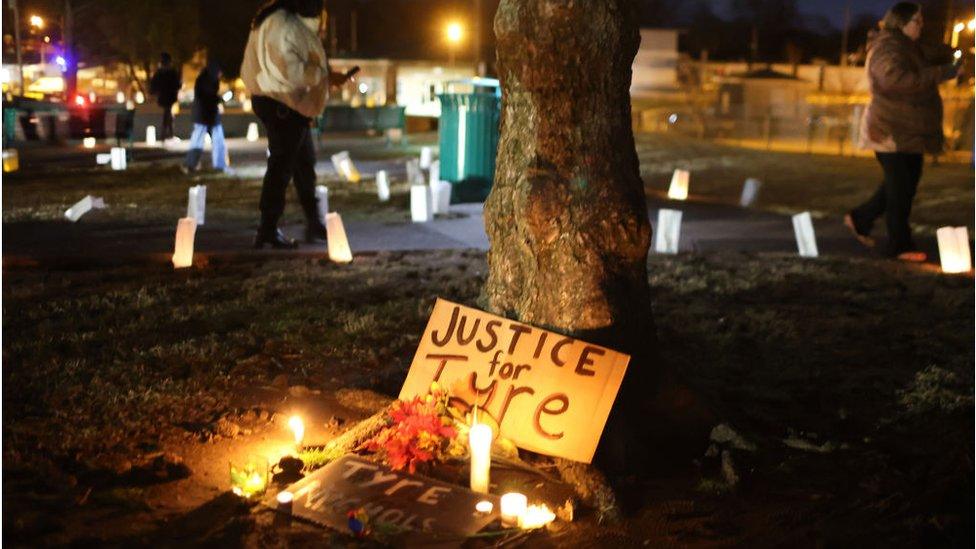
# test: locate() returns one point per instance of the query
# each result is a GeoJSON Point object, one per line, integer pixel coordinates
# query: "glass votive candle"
{"type": "Point", "coordinates": [513, 506]}
{"type": "Point", "coordinates": [249, 477]}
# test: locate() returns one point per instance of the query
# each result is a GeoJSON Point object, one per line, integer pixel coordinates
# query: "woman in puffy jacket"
{"type": "Point", "coordinates": [285, 70]}
{"type": "Point", "coordinates": [902, 122]}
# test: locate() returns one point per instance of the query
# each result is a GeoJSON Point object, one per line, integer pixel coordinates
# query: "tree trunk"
{"type": "Point", "coordinates": [567, 217]}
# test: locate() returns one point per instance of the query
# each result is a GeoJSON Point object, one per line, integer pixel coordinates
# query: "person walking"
{"type": "Point", "coordinates": [206, 119]}
{"type": "Point", "coordinates": [165, 85]}
{"type": "Point", "coordinates": [286, 71]}
{"type": "Point", "coordinates": [901, 123]}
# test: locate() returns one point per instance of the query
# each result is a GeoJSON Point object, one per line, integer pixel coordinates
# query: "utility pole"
{"type": "Point", "coordinates": [478, 67]}
{"type": "Point", "coordinates": [843, 37]}
{"type": "Point", "coordinates": [71, 63]}
{"type": "Point", "coordinates": [20, 58]}
{"type": "Point", "coordinates": [353, 35]}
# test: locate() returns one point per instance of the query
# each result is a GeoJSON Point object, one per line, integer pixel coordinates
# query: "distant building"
{"type": "Point", "coordinates": [655, 67]}
{"type": "Point", "coordinates": [762, 93]}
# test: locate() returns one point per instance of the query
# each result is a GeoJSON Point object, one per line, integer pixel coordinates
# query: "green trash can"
{"type": "Point", "coordinates": [9, 126]}
{"type": "Point", "coordinates": [468, 135]}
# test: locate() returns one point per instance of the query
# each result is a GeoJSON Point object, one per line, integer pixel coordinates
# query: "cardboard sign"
{"type": "Point", "coordinates": [411, 503]}
{"type": "Point", "coordinates": [549, 393]}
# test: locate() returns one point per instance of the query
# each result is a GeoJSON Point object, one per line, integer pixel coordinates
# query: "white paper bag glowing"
{"type": "Point", "coordinates": [207, 141]}
{"type": "Point", "coordinates": [118, 158]}
{"type": "Point", "coordinates": [382, 186]}
{"type": "Point", "coordinates": [414, 175]}
{"type": "Point", "coordinates": [252, 132]}
{"type": "Point", "coordinates": [420, 203]}
{"type": "Point", "coordinates": [806, 240]}
{"type": "Point", "coordinates": [426, 157]}
{"type": "Point", "coordinates": [11, 160]}
{"type": "Point", "coordinates": [151, 136]}
{"type": "Point", "coordinates": [196, 204]}
{"type": "Point", "coordinates": [103, 158]}
{"type": "Point", "coordinates": [344, 167]}
{"type": "Point", "coordinates": [88, 142]}
{"type": "Point", "coordinates": [84, 206]}
{"type": "Point", "coordinates": [322, 199]}
{"type": "Point", "coordinates": [435, 173]}
{"type": "Point", "coordinates": [750, 190]}
{"type": "Point", "coordinates": [668, 231]}
{"type": "Point", "coordinates": [183, 251]}
{"type": "Point", "coordinates": [440, 197]}
{"type": "Point", "coordinates": [338, 243]}
{"type": "Point", "coordinates": [954, 249]}
{"type": "Point", "coordinates": [679, 185]}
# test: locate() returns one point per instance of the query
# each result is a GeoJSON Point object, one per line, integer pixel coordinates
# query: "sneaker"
{"type": "Point", "coordinates": [912, 256]}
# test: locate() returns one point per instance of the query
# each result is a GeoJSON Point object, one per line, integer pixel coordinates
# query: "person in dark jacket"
{"type": "Point", "coordinates": [165, 85]}
{"type": "Point", "coordinates": [901, 123]}
{"type": "Point", "coordinates": [206, 119]}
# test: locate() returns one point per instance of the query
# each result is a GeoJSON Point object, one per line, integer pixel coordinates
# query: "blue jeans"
{"type": "Point", "coordinates": [218, 149]}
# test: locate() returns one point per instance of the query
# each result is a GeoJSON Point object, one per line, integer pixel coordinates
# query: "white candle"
{"type": "Point", "coordinates": [479, 440]}
{"type": "Point", "coordinates": [513, 507]}
{"type": "Point", "coordinates": [297, 427]}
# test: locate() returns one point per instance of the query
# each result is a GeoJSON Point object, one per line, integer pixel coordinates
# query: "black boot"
{"type": "Point", "coordinates": [315, 233]}
{"type": "Point", "coordinates": [274, 238]}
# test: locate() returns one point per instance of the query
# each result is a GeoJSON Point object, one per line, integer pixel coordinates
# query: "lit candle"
{"type": "Point", "coordinates": [535, 516]}
{"type": "Point", "coordinates": [284, 501]}
{"type": "Point", "coordinates": [513, 507]}
{"type": "Point", "coordinates": [297, 427]}
{"type": "Point", "coordinates": [479, 441]}
{"type": "Point", "coordinates": [484, 506]}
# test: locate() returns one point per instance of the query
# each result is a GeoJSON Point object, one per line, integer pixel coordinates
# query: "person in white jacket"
{"type": "Point", "coordinates": [286, 71]}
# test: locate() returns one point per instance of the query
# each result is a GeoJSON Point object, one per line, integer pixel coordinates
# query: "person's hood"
{"type": "Point", "coordinates": [312, 23]}
{"type": "Point", "coordinates": [886, 36]}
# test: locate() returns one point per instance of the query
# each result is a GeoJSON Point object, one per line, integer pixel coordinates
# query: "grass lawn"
{"type": "Point", "coordinates": [794, 182]}
{"type": "Point", "coordinates": [126, 389]}
{"type": "Point", "coordinates": [791, 183]}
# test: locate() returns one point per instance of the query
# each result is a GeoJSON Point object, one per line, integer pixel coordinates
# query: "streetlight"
{"type": "Point", "coordinates": [454, 32]}
{"type": "Point", "coordinates": [37, 21]}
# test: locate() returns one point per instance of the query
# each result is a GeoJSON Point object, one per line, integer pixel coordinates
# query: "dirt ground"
{"type": "Point", "coordinates": [846, 385]}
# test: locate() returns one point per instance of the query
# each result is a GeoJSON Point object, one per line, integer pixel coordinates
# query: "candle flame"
{"type": "Point", "coordinates": [297, 427]}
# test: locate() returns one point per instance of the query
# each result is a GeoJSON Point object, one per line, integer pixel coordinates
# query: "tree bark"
{"type": "Point", "coordinates": [567, 216]}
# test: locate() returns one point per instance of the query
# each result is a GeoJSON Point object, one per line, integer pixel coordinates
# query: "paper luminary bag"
{"type": "Point", "coordinates": [183, 250]}
{"type": "Point", "coordinates": [88, 142]}
{"type": "Point", "coordinates": [151, 136]}
{"type": "Point", "coordinates": [426, 157]}
{"type": "Point", "coordinates": [118, 158]}
{"type": "Point", "coordinates": [750, 190]}
{"type": "Point", "coordinates": [420, 204]}
{"type": "Point", "coordinates": [84, 206]}
{"type": "Point", "coordinates": [344, 167]}
{"type": "Point", "coordinates": [322, 199]}
{"type": "Point", "coordinates": [806, 240]}
{"type": "Point", "coordinates": [548, 393]}
{"type": "Point", "coordinates": [252, 132]}
{"type": "Point", "coordinates": [954, 249]}
{"type": "Point", "coordinates": [382, 186]}
{"type": "Point", "coordinates": [196, 204]}
{"type": "Point", "coordinates": [339, 250]}
{"type": "Point", "coordinates": [414, 175]}
{"type": "Point", "coordinates": [440, 197]}
{"type": "Point", "coordinates": [11, 160]}
{"type": "Point", "coordinates": [679, 185]}
{"type": "Point", "coordinates": [668, 231]}
{"type": "Point", "coordinates": [435, 173]}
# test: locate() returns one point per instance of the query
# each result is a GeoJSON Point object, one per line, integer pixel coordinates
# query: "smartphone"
{"type": "Point", "coordinates": [352, 72]}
